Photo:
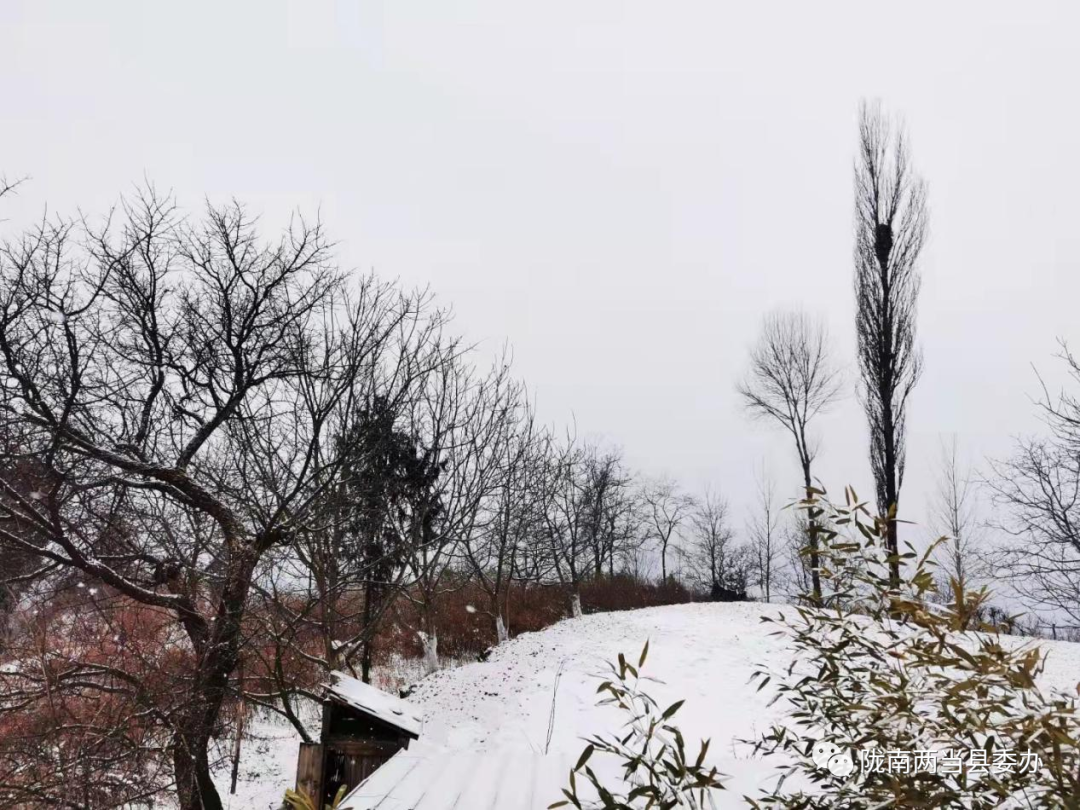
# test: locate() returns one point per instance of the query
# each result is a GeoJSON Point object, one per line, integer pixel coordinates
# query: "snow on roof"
{"type": "Point", "coordinates": [375, 702]}
{"type": "Point", "coordinates": [422, 777]}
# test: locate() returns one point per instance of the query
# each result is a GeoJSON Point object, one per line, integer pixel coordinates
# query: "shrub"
{"type": "Point", "coordinates": [884, 670]}
{"type": "Point", "coordinates": [655, 765]}
{"type": "Point", "coordinates": [466, 629]}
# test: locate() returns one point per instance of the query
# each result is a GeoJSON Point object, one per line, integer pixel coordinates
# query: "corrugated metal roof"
{"type": "Point", "coordinates": [424, 778]}
{"type": "Point", "coordinates": [375, 702]}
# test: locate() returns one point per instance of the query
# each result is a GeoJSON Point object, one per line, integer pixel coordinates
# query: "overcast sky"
{"type": "Point", "coordinates": [620, 189]}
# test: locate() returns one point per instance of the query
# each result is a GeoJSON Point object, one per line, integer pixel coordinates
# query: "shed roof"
{"type": "Point", "coordinates": [375, 702]}
{"type": "Point", "coordinates": [424, 778]}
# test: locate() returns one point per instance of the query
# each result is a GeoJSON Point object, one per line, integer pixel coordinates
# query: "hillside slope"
{"type": "Point", "coordinates": [701, 653]}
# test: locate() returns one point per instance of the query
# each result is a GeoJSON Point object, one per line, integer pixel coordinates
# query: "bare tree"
{"type": "Point", "coordinates": [963, 557]}
{"type": "Point", "coordinates": [1039, 489]}
{"type": "Point", "coordinates": [448, 421]}
{"type": "Point", "coordinates": [8, 186]}
{"type": "Point", "coordinates": [512, 519]}
{"type": "Point", "coordinates": [20, 474]}
{"type": "Point", "coordinates": [791, 380]}
{"type": "Point", "coordinates": [715, 562]}
{"type": "Point", "coordinates": [890, 230]}
{"type": "Point", "coordinates": [798, 575]}
{"type": "Point", "coordinates": [666, 508]}
{"type": "Point", "coordinates": [795, 559]}
{"type": "Point", "coordinates": [588, 516]}
{"type": "Point", "coordinates": [765, 541]}
{"type": "Point", "coordinates": [611, 509]}
{"type": "Point", "coordinates": [563, 507]}
{"type": "Point", "coordinates": [179, 385]}
{"type": "Point", "coordinates": [452, 431]}
{"type": "Point", "coordinates": [624, 532]}
{"type": "Point", "coordinates": [476, 427]}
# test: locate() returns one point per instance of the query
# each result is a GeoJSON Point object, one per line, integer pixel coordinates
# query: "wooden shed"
{"type": "Point", "coordinates": [362, 728]}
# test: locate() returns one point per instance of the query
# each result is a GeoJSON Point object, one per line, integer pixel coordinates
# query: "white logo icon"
{"type": "Point", "coordinates": [832, 758]}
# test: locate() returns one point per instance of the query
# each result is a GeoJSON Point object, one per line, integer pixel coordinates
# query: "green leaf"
{"type": "Point", "coordinates": [670, 710]}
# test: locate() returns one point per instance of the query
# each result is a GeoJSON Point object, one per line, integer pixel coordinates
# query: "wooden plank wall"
{"type": "Point", "coordinates": [309, 771]}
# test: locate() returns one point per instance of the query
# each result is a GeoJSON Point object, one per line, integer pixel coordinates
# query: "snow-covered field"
{"type": "Point", "coordinates": [702, 653]}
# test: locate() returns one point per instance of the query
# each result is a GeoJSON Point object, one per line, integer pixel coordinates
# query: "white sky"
{"type": "Point", "coordinates": [620, 189]}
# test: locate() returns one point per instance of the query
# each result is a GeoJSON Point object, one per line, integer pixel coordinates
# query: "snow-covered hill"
{"type": "Point", "coordinates": [701, 653]}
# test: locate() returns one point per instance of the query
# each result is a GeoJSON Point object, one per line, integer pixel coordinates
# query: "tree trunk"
{"type": "Point", "coordinates": [500, 629]}
{"type": "Point", "coordinates": [366, 650]}
{"type": "Point", "coordinates": [430, 644]}
{"type": "Point", "coordinates": [218, 647]}
{"type": "Point", "coordinates": [892, 496]}
{"type": "Point", "coordinates": [815, 558]}
{"type": "Point", "coordinates": [892, 540]}
{"type": "Point", "coordinates": [887, 387]}
{"type": "Point", "coordinates": [575, 604]}
{"type": "Point", "coordinates": [194, 786]}
{"type": "Point", "coordinates": [241, 716]}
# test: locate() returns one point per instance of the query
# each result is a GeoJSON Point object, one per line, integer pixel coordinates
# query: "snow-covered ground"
{"type": "Point", "coordinates": [702, 653]}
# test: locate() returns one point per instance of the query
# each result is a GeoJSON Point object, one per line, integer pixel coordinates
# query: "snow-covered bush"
{"type": "Point", "coordinates": [657, 773]}
{"type": "Point", "coordinates": [894, 703]}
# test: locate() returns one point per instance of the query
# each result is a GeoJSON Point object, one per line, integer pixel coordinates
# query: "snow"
{"type": "Point", "coordinates": [426, 778]}
{"type": "Point", "coordinates": [495, 715]}
{"type": "Point", "coordinates": [703, 653]}
{"type": "Point", "coordinates": [267, 766]}
{"type": "Point", "coordinates": [377, 703]}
